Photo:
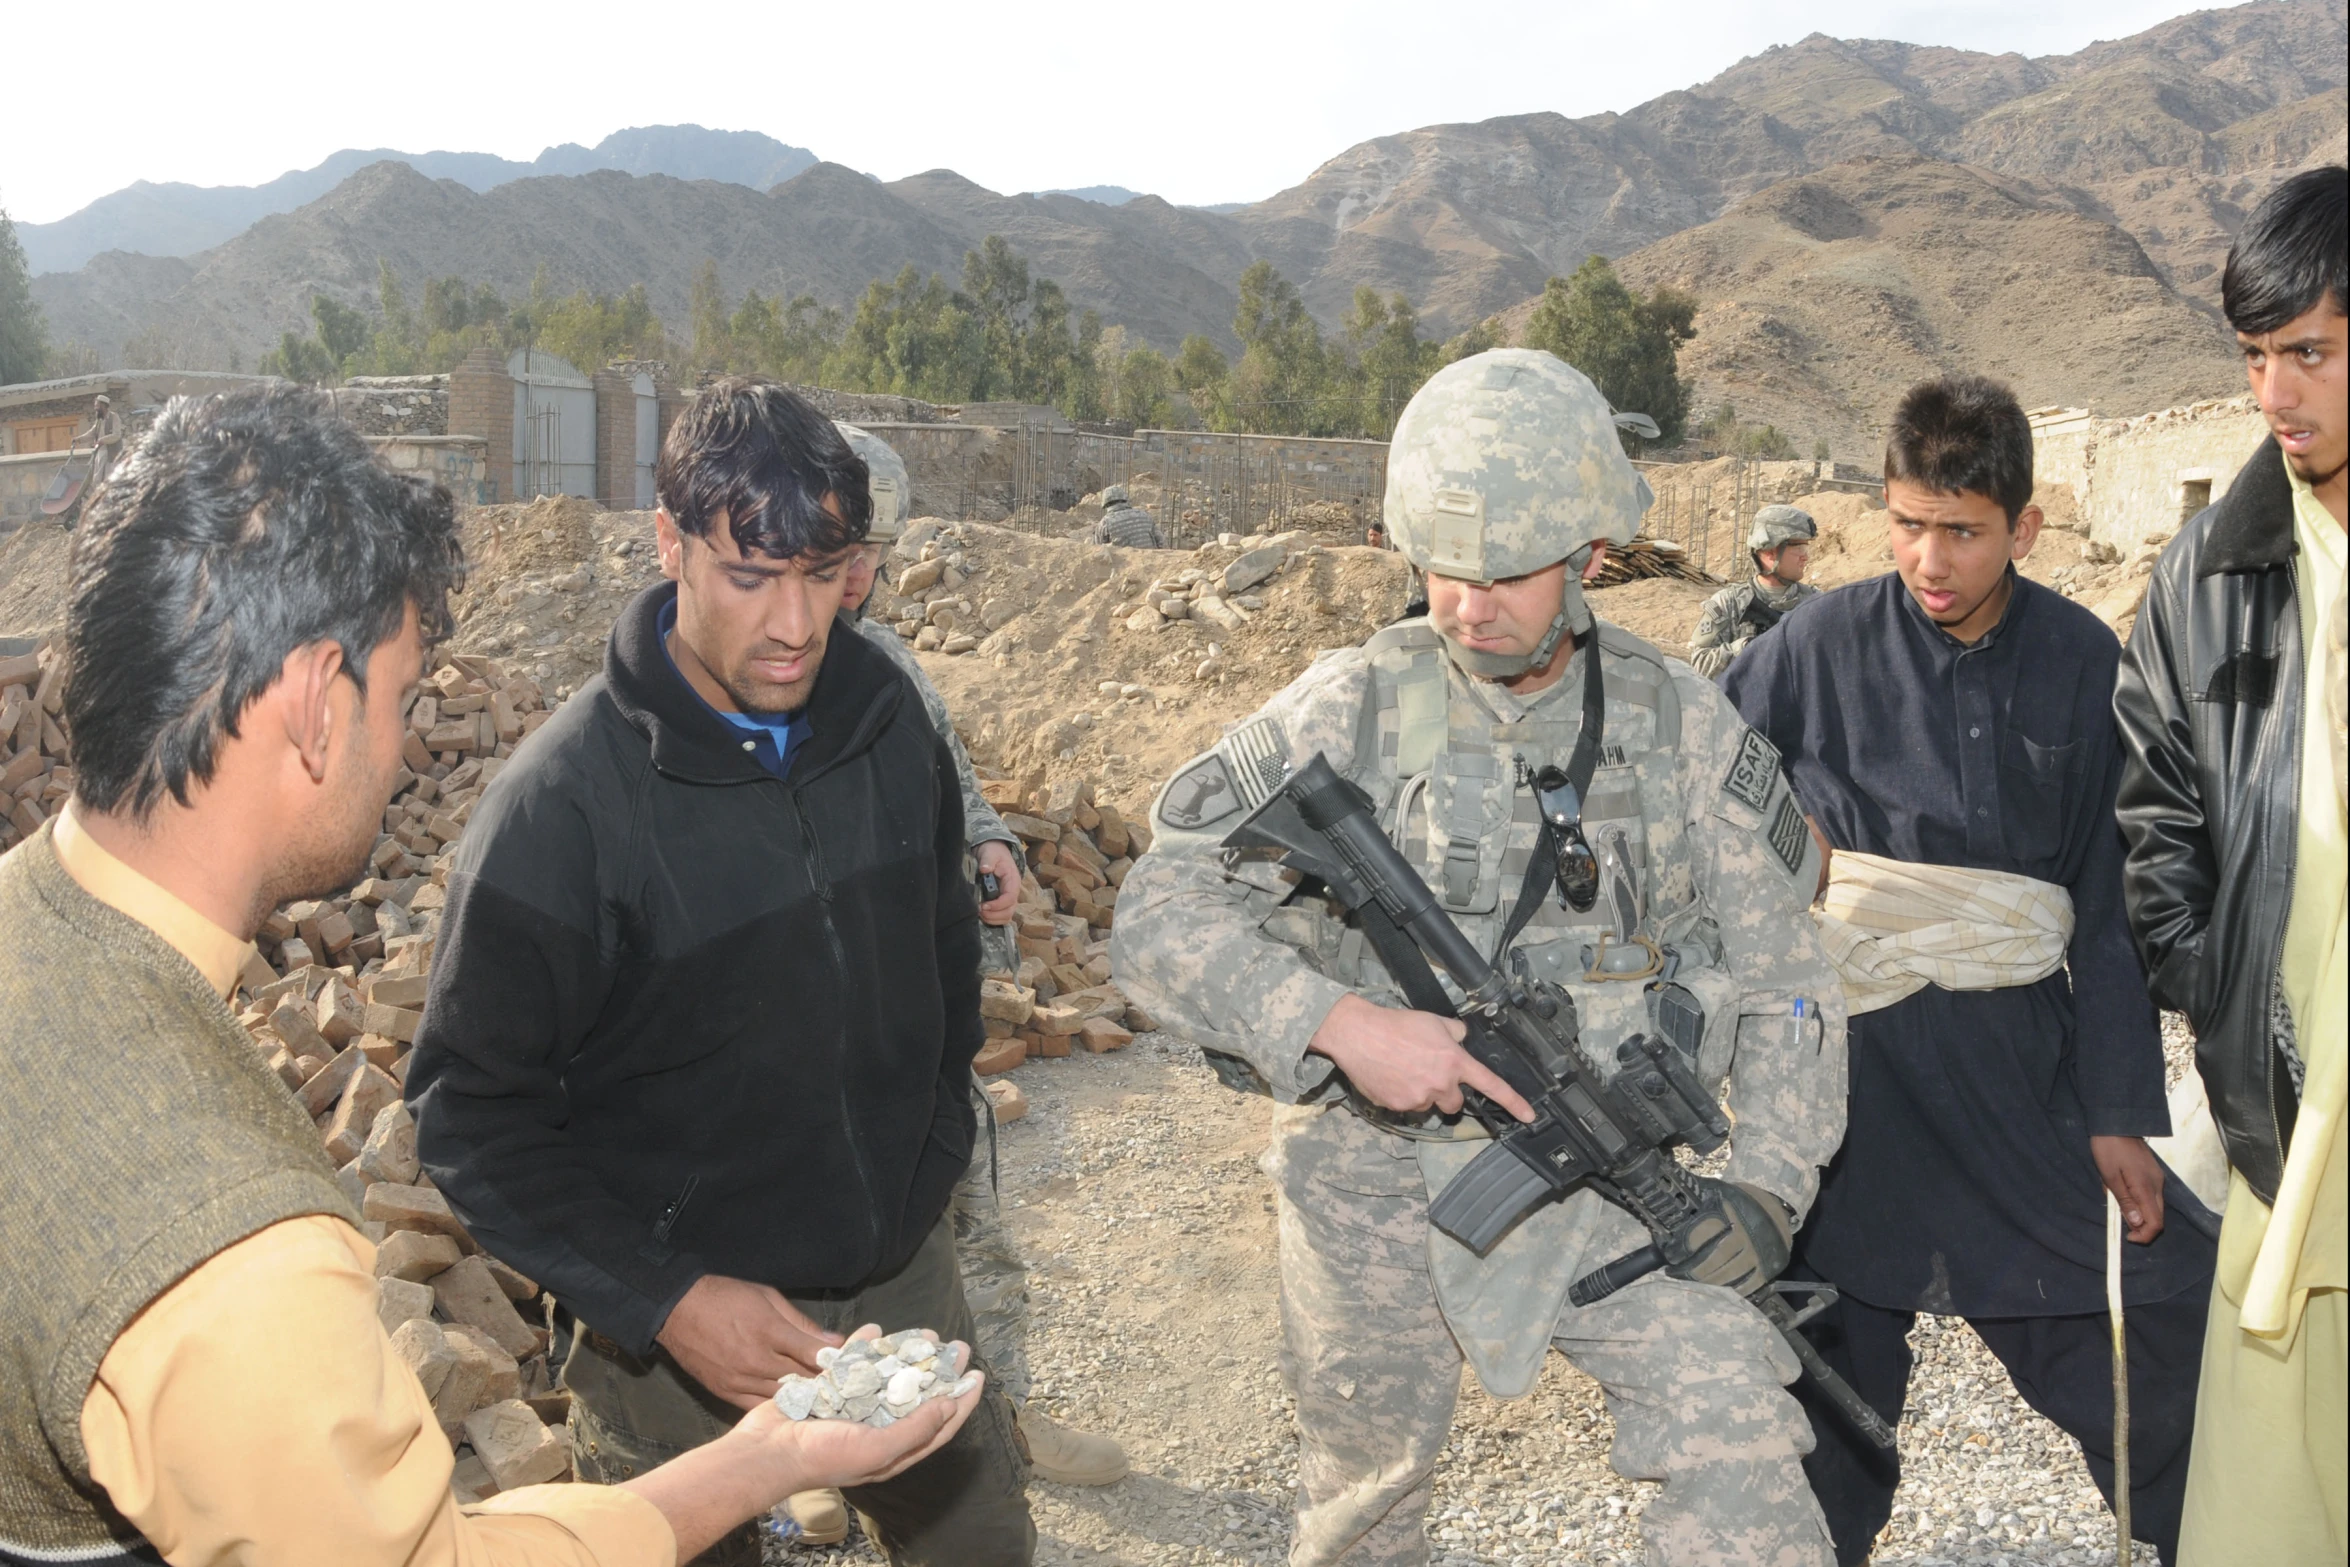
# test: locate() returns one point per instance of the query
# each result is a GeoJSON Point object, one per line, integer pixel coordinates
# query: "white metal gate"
{"type": "Point", "coordinates": [554, 426]}
{"type": "Point", "coordinates": [648, 438]}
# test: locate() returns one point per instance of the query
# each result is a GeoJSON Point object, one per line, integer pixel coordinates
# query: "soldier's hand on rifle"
{"type": "Point", "coordinates": [1408, 1061]}
{"type": "Point", "coordinates": [1741, 1242]}
{"type": "Point", "coordinates": [996, 860]}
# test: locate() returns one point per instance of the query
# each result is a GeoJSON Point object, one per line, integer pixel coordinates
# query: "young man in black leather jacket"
{"type": "Point", "coordinates": [2231, 709]}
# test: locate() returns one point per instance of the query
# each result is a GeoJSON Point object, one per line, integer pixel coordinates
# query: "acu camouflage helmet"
{"type": "Point", "coordinates": [1504, 463]}
{"type": "Point", "coordinates": [1115, 495]}
{"type": "Point", "coordinates": [893, 490]}
{"type": "Point", "coordinates": [1777, 525]}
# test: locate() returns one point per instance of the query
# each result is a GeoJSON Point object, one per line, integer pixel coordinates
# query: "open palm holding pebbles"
{"type": "Point", "coordinates": [878, 1381]}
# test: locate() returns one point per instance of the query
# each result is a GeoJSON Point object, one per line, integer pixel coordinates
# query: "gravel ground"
{"type": "Point", "coordinates": [1150, 1238]}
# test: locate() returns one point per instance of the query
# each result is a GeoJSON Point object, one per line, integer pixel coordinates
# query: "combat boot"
{"type": "Point", "coordinates": [1070, 1457]}
{"type": "Point", "coordinates": [823, 1516]}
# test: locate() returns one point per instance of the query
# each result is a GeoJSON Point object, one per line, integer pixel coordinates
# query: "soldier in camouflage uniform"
{"type": "Point", "coordinates": [1124, 523]}
{"type": "Point", "coordinates": [1779, 544]}
{"type": "Point", "coordinates": [995, 1275]}
{"type": "Point", "coordinates": [1505, 480]}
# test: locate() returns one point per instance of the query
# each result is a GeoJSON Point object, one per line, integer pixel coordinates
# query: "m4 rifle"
{"type": "Point", "coordinates": [1614, 1134]}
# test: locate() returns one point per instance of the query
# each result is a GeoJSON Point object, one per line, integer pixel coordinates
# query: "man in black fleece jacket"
{"type": "Point", "coordinates": [697, 1049]}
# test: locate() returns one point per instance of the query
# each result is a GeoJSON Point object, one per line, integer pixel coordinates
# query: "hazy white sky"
{"type": "Point", "coordinates": [1196, 100]}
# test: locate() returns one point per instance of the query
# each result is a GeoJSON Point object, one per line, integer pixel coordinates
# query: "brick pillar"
{"type": "Point", "coordinates": [615, 439]}
{"type": "Point", "coordinates": [481, 402]}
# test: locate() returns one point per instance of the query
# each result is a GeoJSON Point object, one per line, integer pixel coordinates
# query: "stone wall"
{"type": "Point", "coordinates": [462, 462]}
{"type": "Point", "coordinates": [394, 404]}
{"type": "Point", "coordinates": [2134, 478]}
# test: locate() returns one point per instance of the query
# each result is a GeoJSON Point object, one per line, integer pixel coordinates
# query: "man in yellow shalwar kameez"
{"type": "Point", "coordinates": [2232, 705]}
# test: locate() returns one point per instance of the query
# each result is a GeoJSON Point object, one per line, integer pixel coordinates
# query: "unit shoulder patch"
{"type": "Point", "coordinates": [1200, 795]}
{"type": "Point", "coordinates": [1753, 772]}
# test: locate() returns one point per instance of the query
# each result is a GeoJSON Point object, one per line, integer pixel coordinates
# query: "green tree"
{"type": "Point", "coordinates": [1629, 346]}
{"type": "Point", "coordinates": [342, 331]}
{"type": "Point", "coordinates": [24, 333]}
{"type": "Point", "coordinates": [790, 342]}
{"type": "Point", "coordinates": [300, 358]}
{"type": "Point", "coordinates": [1202, 376]}
{"type": "Point", "coordinates": [1200, 364]}
{"type": "Point", "coordinates": [1390, 357]}
{"type": "Point", "coordinates": [447, 305]}
{"type": "Point", "coordinates": [1486, 334]}
{"type": "Point", "coordinates": [1146, 382]}
{"type": "Point", "coordinates": [591, 330]}
{"type": "Point", "coordinates": [713, 348]}
{"type": "Point", "coordinates": [1284, 382]}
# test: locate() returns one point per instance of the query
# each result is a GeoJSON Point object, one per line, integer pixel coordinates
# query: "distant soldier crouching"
{"type": "Point", "coordinates": [1124, 523]}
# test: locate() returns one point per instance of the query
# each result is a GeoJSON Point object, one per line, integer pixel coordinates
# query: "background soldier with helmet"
{"type": "Point", "coordinates": [1126, 524]}
{"type": "Point", "coordinates": [1506, 483]}
{"type": "Point", "coordinates": [1780, 546]}
{"type": "Point", "coordinates": [995, 1274]}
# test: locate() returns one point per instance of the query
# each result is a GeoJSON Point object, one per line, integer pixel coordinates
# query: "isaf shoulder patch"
{"type": "Point", "coordinates": [1753, 772]}
{"type": "Point", "coordinates": [1789, 835]}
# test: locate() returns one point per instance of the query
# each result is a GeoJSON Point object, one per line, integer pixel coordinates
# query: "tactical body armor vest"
{"type": "Point", "coordinates": [1449, 775]}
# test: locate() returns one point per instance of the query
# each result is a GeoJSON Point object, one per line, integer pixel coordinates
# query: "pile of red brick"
{"type": "Point", "coordinates": [1060, 998]}
{"type": "Point", "coordinates": [334, 994]}
{"type": "Point", "coordinates": [35, 776]}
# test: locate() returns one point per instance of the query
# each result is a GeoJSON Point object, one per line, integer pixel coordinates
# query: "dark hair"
{"type": "Point", "coordinates": [767, 458]}
{"type": "Point", "coordinates": [244, 526]}
{"type": "Point", "coordinates": [2293, 252]}
{"type": "Point", "coordinates": [1963, 432]}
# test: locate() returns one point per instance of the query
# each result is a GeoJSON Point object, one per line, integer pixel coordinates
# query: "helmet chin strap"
{"type": "Point", "coordinates": [1574, 615]}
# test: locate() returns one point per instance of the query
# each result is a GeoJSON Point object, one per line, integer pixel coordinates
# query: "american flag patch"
{"type": "Point", "coordinates": [1258, 755]}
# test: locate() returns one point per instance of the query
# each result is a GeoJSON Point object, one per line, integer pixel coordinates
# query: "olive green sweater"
{"type": "Point", "coordinates": [140, 1133]}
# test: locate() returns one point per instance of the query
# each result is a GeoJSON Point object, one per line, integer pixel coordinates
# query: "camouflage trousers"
{"type": "Point", "coordinates": [995, 1275]}
{"type": "Point", "coordinates": [1695, 1378]}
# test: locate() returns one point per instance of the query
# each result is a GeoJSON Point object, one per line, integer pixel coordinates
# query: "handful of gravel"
{"type": "Point", "coordinates": [878, 1381]}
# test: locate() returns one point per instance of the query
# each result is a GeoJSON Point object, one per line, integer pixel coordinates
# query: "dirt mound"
{"type": "Point", "coordinates": [35, 564]}
{"type": "Point", "coordinates": [1075, 658]}
{"type": "Point", "coordinates": [546, 579]}
{"type": "Point", "coordinates": [1662, 610]}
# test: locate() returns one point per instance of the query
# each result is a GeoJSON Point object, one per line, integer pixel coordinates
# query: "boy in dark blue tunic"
{"type": "Point", "coordinates": [1957, 718]}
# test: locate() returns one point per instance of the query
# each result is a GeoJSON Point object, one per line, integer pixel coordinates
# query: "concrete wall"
{"type": "Point", "coordinates": [23, 480]}
{"type": "Point", "coordinates": [2133, 478]}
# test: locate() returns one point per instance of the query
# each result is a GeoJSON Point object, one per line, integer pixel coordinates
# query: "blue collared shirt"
{"type": "Point", "coordinates": [769, 737]}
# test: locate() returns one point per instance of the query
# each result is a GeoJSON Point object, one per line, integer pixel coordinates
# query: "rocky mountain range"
{"type": "Point", "coordinates": [1850, 213]}
{"type": "Point", "coordinates": [175, 219]}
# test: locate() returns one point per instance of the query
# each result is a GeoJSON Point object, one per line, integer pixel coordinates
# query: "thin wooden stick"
{"type": "Point", "coordinates": [2121, 1380]}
